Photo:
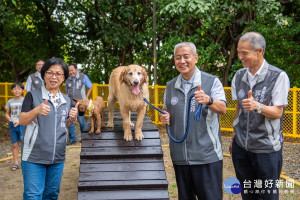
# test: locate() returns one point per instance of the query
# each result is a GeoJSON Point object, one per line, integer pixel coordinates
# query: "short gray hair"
{"type": "Point", "coordinates": [184, 44]}
{"type": "Point", "coordinates": [256, 40]}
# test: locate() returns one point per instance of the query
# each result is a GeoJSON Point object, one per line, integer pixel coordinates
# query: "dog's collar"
{"type": "Point", "coordinates": [90, 108]}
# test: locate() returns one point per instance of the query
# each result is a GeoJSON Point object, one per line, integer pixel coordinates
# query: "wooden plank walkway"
{"type": "Point", "coordinates": [112, 168]}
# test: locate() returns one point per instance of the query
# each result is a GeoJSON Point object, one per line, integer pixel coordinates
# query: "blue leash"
{"type": "Point", "coordinates": [197, 117]}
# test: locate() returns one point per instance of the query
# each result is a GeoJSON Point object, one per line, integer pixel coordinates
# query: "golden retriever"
{"type": "Point", "coordinates": [128, 84]}
{"type": "Point", "coordinates": [95, 110]}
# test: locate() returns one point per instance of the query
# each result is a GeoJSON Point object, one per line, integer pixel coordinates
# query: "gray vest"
{"type": "Point", "coordinates": [36, 82]}
{"type": "Point", "coordinates": [44, 139]}
{"type": "Point", "coordinates": [255, 132]}
{"type": "Point", "coordinates": [203, 143]}
{"type": "Point", "coordinates": [76, 89]}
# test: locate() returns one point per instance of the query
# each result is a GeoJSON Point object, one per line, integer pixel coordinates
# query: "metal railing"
{"type": "Point", "coordinates": [290, 125]}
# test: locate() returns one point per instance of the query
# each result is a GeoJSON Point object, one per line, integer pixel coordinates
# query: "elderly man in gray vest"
{"type": "Point", "coordinates": [35, 80]}
{"type": "Point", "coordinates": [261, 90]}
{"type": "Point", "coordinates": [199, 157]}
{"type": "Point", "coordinates": [75, 88]}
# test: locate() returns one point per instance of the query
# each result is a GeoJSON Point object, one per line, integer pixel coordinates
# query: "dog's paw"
{"type": "Point", "coordinates": [139, 135]}
{"type": "Point", "coordinates": [98, 131]}
{"type": "Point", "coordinates": [127, 136]}
{"type": "Point", "coordinates": [110, 125]}
{"type": "Point", "coordinates": [90, 132]}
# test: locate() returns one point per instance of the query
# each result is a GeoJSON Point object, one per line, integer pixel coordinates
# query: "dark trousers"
{"type": "Point", "coordinates": [203, 181]}
{"type": "Point", "coordinates": [252, 168]}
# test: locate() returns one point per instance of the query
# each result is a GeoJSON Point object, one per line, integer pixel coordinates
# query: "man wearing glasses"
{"type": "Point", "coordinates": [75, 89]}
{"type": "Point", "coordinates": [35, 80]}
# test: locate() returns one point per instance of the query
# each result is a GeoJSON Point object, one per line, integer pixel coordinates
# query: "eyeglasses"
{"type": "Point", "coordinates": [51, 73]}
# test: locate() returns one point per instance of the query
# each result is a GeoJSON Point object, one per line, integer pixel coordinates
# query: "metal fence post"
{"type": "Point", "coordinates": [294, 111]}
{"type": "Point", "coordinates": [156, 103]}
{"type": "Point", "coordinates": [94, 91]}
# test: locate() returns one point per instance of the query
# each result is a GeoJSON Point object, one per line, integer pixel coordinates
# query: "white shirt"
{"type": "Point", "coordinates": [280, 90]}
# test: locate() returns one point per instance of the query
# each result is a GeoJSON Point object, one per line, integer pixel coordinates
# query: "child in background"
{"type": "Point", "coordinates": [13, 111]}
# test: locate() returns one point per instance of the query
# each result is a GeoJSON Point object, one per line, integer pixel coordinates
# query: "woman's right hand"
{"type": "Point", "coordinates": [44, 109]}
{"type": "Point", "coordinates": [165, 118]}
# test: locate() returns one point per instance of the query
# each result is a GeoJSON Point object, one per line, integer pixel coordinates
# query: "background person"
{"type": "Point", "coordinates": [46, 112]}
{"type": "Point", "coordinates": [75, 89]}
{"type": "Point", "coordinates": [13, 110]}
{"type": "Point", "coordinates": [35, 80]}
{"type": "Point", "coordinates": [199, 158]}
{"type": "Point", "coordinates": [261, 91]}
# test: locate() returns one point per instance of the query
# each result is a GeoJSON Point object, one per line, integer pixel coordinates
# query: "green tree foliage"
{"type": "Point", "coordinates": [103, 34]}
{"type": "Point", "coordinates": [215, 26]}
{"type": "Point", "coordinates": [110, 33]}
{"type": "Point", "coordinates": [29, 30]}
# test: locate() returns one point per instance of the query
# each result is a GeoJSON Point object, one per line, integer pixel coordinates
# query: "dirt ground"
{"type": "Point", "coordinates": [11, 183]}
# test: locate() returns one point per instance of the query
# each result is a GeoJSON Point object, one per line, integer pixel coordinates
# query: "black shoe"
{"type": "Point", "coordinates": [71, 142]}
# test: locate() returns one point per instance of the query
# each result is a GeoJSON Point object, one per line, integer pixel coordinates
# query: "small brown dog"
{"type": "Point", "coordinates": [95, 110]}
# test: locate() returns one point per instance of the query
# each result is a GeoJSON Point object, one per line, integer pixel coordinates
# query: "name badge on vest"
{"type": "Point", "coordinates": [63, 118]}
{"type": "Point", "coordinates": [78, 84]}
{"type": "Point", "coordinates": [260, 95]}
{"type": "Point", "coordinates": [193, 105]}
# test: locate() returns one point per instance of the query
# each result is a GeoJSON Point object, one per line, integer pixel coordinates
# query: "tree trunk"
{"type": "Point", "coordinates": [229, 63]}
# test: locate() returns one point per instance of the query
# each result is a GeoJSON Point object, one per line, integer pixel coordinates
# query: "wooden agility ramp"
{"type": "Point", "coordinates": [112, 168]}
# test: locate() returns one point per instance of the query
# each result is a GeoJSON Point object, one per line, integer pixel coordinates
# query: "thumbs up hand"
{"type": "Point", "coordinates": [249, 103]}
{"type": "Point", "coordinates": [73, 112]}
{"type": "Point", "coordinates": [44, 109]}
{"type": "Point", "coordinates": [200, 96]}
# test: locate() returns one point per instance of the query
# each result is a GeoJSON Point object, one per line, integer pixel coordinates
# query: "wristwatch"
{"type": "Point", "coordinates": [211, 101]}
{"type": "Point", "coordinates": [259, 109]}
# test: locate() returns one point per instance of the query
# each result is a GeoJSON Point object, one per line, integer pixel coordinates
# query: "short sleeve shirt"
{"type": "Point", "coordinates": [86, 81]}
{"type": "Point", "coordinates": [15, 106]}
{"type": "Point", "coordinates": [280, 90]}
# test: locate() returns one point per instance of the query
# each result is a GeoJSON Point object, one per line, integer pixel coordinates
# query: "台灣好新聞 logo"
{"type": "Point", "coordinates": [232, 185]}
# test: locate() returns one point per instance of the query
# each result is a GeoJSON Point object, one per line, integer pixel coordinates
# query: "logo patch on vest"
{"type": "Point", "coordinates": [36, 82]}
{"type": "Point", "coordinates": [174, 100]}
{"type": "Point", "coordinates": [241, 94]}
{"type": "Point", "coordinates": [70, 85]}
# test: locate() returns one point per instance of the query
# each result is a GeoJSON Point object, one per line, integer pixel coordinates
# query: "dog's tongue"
{"type": "Point", "coordinates": [136, 89]}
